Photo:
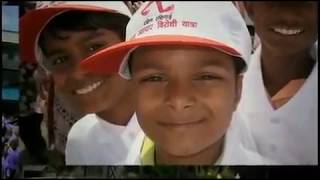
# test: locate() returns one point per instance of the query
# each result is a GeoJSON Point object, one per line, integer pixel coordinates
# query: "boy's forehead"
{"type": "Point", "coordinates": [150, 56]}
{"type": "Point", "coordinates": [85, 34]}
{"type": "Point", "coordinates": [82, 36]}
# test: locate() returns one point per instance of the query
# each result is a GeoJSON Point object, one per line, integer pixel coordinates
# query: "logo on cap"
{"type": "Point", "coordinates": [46, 4]}
{"type": "Point", "coordinates": [160, 7]}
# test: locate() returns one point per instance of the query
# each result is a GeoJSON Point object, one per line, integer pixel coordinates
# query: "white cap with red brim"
{"type": "Point", "coordinates": [34, 21]}
{"type": "Point", "coordinates": [209, 24]}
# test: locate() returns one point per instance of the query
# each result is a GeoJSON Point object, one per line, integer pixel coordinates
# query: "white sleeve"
{"type": "Point", "coordinates": [75, 147]}
{"type": "Point", "coordinates": [133, 157]}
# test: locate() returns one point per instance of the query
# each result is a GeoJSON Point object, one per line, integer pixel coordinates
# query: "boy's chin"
{"type": "Point", "coordinates": [183, 151]}
{"type": "Point", "coordinates": [95, 108]}
{"type": "Point", "coordinates": [85, 108]}
{"type": "Point", "coordinates": [183, 157]}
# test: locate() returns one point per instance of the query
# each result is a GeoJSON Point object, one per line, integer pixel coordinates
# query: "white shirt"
{"type": "Point", "coordinates": [289, 134]}
{"type": "Point", "coordinates": [94, 141]}
{"type": "Point", "coordinates": [239, 147]}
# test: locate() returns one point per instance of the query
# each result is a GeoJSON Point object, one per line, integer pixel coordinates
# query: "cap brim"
{"type": "Point", "coordinates": [32, 23]}
{"type": "Point", "coordinates": [108, 61]}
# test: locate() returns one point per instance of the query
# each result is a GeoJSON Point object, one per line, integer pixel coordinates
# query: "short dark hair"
{"type": "Point", "coordinates": [239, 64]}
{"type": "Point", "coordinates": [80, 20]}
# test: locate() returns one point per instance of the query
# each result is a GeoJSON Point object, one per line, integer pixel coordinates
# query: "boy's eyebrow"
{"type": "Point", "coordinates": [53, 52]}
{"type": "Point", "coordinates": [214, 64]}
{"type": "Point", "coordinates": [92, 34]}
{"type": "Point", "coordinates": [207, 62]}
{"type": "Point", "coordinates": [211, 62]}
{"type": "Point", "coordinates": [149, 65]}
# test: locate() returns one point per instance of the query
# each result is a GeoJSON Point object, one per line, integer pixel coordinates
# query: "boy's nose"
{"type": "Point", "coordinates": [179, 96]}
{"type": "Point", "coordinates": [79, 72]}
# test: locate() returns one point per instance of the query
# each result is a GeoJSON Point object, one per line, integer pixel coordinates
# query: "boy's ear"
{"type": "Point", "coordinates": [238, 90]}
{"type": "Point", "coordinates": [249, 9]}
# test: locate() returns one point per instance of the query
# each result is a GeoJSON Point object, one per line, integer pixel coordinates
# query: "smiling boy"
{"type": "Point", "coordinates": [280, 89]}
{"type": "Point", "coordinates": [60, 35]}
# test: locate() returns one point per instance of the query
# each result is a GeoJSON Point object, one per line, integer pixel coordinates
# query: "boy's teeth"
{"type": "Point", "coordinates": [287, 31]}
{"type": "Point", "coordinates": [88, 88]}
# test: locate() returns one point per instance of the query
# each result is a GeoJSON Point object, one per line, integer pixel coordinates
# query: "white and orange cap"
{"type": "Point", "coordinates": [33, 22]}
{"type": "Point", "coordinates": [210, 24]}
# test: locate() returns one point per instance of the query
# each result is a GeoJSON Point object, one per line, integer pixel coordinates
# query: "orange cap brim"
{"type": "Point", "coordinates": [109, 60]}
{"type": "Point", "coordinates": [33, 22]}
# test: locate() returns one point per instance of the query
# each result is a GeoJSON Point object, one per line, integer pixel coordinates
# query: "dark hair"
{"type": "Point", "coordinates": [79, 21]}
{"type": "Point", "coordinates": [238, 62]}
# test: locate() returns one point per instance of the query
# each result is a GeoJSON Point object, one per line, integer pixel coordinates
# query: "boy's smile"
{"type": "Point", "coordinates": [280, 25]}
{"type": "Point", "coordinates": [89, 88]}
{"type": "Point", "coordinates": [286, 31]}
{"type": "Point", "coordinates": [181, 122]}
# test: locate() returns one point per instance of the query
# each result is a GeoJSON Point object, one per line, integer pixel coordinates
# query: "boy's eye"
{"type": "Point", "coordinates": [153, 78]}
{"type": "Point", "coordinates": [95, 47]}
{"type": "Point", "coordinates": [206, 77]}
{"type": "Point", "coordinates": [59, 60]}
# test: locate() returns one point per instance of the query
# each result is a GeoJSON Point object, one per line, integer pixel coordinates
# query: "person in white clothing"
{"type": "Point", "coordinates": [60, 35]}
{"type": "Point", "coordinates": [280, 89]}
{"type": "Point", "coordinates": [187, 76]}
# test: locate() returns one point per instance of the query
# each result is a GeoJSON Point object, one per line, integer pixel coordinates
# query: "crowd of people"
{"type": "Point", "coordinates": [11, 151]}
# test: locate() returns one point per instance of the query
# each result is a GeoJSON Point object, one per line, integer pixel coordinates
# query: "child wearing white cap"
{"type": "Point", "coordinates": [280, 89]}
{"type": "Point", "coordinates": [187, 75]}
{"type": "Point", "coordinates": [59, 36]}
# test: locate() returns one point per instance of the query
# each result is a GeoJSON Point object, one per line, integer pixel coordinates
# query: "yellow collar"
{"type": "Point", "coordinates": [147, 155]}
{"type": "Point", "coordinates": [147, 152]}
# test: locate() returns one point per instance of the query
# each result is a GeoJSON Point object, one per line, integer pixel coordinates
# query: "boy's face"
{"type": "Point", "coordinates": [78, 89]}
{"type": "Point", "coordinates": [185, 96]}
{"type": "Point", "coordinates": [285, 26]}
